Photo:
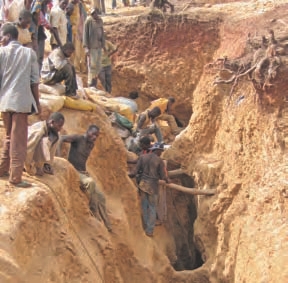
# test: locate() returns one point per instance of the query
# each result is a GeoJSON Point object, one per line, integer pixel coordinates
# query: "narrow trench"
{"type": "Point", "coordinates": [181, 217]}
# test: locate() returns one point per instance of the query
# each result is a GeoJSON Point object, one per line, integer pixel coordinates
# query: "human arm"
{"type": "Point", "coordinates": [111, 48]}
{"type": "Point", "coordinates": [34, 80]}
{"type": "Point", "coordinates": [86, 37]}
{"type": "Point", "coordinates": [162, 172]}
{"type": "Point", "coordinates": [66, 139]}
{"type": "Point", "coordinates": [141, 121]}
{"type": "Point", "coordinates": [137, 169]}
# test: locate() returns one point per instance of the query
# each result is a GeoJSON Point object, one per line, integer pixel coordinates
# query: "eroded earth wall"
{"type": "Point", "coordinates": [234, 142]}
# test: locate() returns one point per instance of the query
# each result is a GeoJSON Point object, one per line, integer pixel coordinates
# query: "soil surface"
{"type": "Point", "coordinates": [235, 142]}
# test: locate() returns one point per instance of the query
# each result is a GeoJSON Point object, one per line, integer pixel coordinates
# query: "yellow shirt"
{"type": "Point", "coordinates": [161, 103]}
{"type": "Point", "coordinates": [106, 60]}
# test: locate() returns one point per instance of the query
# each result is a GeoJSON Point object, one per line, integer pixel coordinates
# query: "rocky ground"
{"type": "Point", "coordinates": [235, 141]}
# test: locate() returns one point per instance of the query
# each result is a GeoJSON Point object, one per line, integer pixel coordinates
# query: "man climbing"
{"type": "Point", "coordinates": [146, 124]}
{"type": "Point", "coordinates": [93, 42]}
{"type": "Point", "coordinates": [165, 105]}
{"type": "Point", "coordinates": [19, 97]}
{"type": "Point", "coordinates": [80, 149]}
{"type": "Point", "coordinates": [57, 68]}
{"type": "Point", "coordinates": [58, 23]}
{"type": "Point", "coordinates": [151, 169]}
{"type": "Point", "coordinates": [42, 144]}
{"type": "Point", "coordinates": [105, 75]}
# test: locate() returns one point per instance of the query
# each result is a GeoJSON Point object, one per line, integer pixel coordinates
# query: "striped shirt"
{"type": "Point", "coordinates": [18, 70]}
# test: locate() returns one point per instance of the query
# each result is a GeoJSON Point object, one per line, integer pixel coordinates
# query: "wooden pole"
{"type": "Point", "coordinates": [175, 173]}
{"type": "Point", "coordinates": [186, 190]}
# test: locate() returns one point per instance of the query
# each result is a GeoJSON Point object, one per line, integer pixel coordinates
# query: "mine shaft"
{"type": "Point", "coordinates": [143, 141]}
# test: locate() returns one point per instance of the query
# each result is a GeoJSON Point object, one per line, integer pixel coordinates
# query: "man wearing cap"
{"type": "Point", "coordinates": [93, 42]}
{"type": "Point", "coordinates": [151, 169]}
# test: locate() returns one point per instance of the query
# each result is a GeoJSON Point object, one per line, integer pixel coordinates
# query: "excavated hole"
{"type": "Point", "coordinates": [182, 213]}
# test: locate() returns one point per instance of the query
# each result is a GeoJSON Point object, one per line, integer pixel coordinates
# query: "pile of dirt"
{"type": "Point", "coordinates": [232, 144]}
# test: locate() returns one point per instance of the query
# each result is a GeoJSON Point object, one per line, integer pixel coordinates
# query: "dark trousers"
{"type": "Point", "coordinates": [105, 77]}
{"type": "Point", "coordinates": [67, 74]}
{"type": "Point", "coordinates": [40, 53]}
{"type": "Point", "coordinates": [14, 146]}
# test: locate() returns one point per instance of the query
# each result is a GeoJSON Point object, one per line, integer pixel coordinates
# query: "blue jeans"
{"type": "Point", "coordinates": [148, 205]}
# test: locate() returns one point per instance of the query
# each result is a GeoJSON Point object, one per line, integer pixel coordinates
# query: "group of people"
{"type": "Point", "coordinates": [76, 39]}
{"type": "Point", "coordinates": [33, 148]}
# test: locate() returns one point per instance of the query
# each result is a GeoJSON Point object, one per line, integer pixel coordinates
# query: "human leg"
{"type": "Point", "coordinates": [94, 65]}
{"type": "Point", "coordinates": [97, 202]}
{"type": "Point", "coordinates": [102, 208]}
{"type": "Point", "coordinates": [102, 77]}
{"type": "Point", "coordinates": [5, 154]}
{"type": "Point", "coordinates": [144, 207]}
{"type": "Point", "coordinates": [67, 73]}
{"type": "Point", "coordinates": [151, 219]}
{"type": "Point", "coordinates": [108, 75]}
{"type": "Point", "coordinates": [18, 146]}
{"type": "Point", "coordinates": [40, 53]}
{"type": "Point", "coordinates": [171, 122]}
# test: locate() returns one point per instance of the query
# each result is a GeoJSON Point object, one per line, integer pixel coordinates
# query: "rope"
{"type": "Point", "coordinates": [74, 230]}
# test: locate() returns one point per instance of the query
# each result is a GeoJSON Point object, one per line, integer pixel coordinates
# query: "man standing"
{"type": "Point", "coordinates": [19, 77]}
{"type": "Point", "coordinates": [57, 68]}
{"type": "Point", "coordinates": [80, 149]}
{"type": "Point", "coordinates": [151, 169]}
{"type": "Point", "coordinates": [58, 23]}
{"type": "Point", "coordinates": [78, 18]}
{"type": "Point", "coordinates": [42, 144]}
{"type": "Point", "coordinates": [165, 105]}
{"type": "Point", "coordinates": [38, 10]}
{"type": "Point", "coordinates": [69, 12]}
{"type": "Point", "coordinates": [105, 75]}
{"type": "Point", "coordinates": [146, 124]}
{"type": "Point", "coordinates": [93, 42]}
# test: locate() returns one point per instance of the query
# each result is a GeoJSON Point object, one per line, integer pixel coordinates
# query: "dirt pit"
{"type": "Point", "coordinates": [236, 146]}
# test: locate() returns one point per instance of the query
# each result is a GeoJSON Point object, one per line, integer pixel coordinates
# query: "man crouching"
{"type": "Point", "coordinates": [80, 149]}
{"type": "Point", "coordinates": [42, 144]}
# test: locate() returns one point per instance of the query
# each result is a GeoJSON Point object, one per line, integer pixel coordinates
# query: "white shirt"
{"type": "Point", "coordinates": [58, 20]}
{"type": "Point", "coordinates": [18, 70]}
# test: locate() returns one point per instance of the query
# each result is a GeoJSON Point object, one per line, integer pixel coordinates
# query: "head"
{"type": "Point", "coordinates": [155, 112]}
{"type": "Point", "coordinates": [8, 33]}
{"type": "Point", "coordinates": [133, 95]}
{"type": "Point", "coordinates": [25, 18]}
{"type": "Point", "coordinates": [92, 133]}
{"type": "Point", "coordinates": [55, 122]}
{"type": "Point", "coordinates": [95, 12]}
{"type": "Point", "coordinates": [68, 49]}
{"type": "Point", "coordinates": [171, 101]}
{"type": "Point", "coordinates": [145, 143]}
{"type": "Point", "coordinates": [35, 17]}
{"type": "Point", "coordinates": [63, 4]}
{"type": "Point", "coordinates": [69, 9]}
{"type": "Point", "coordinates": [157, 148]}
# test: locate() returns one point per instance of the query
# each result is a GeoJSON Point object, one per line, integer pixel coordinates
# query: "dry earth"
{"type": "Point", "coordinates": [234, 143]}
